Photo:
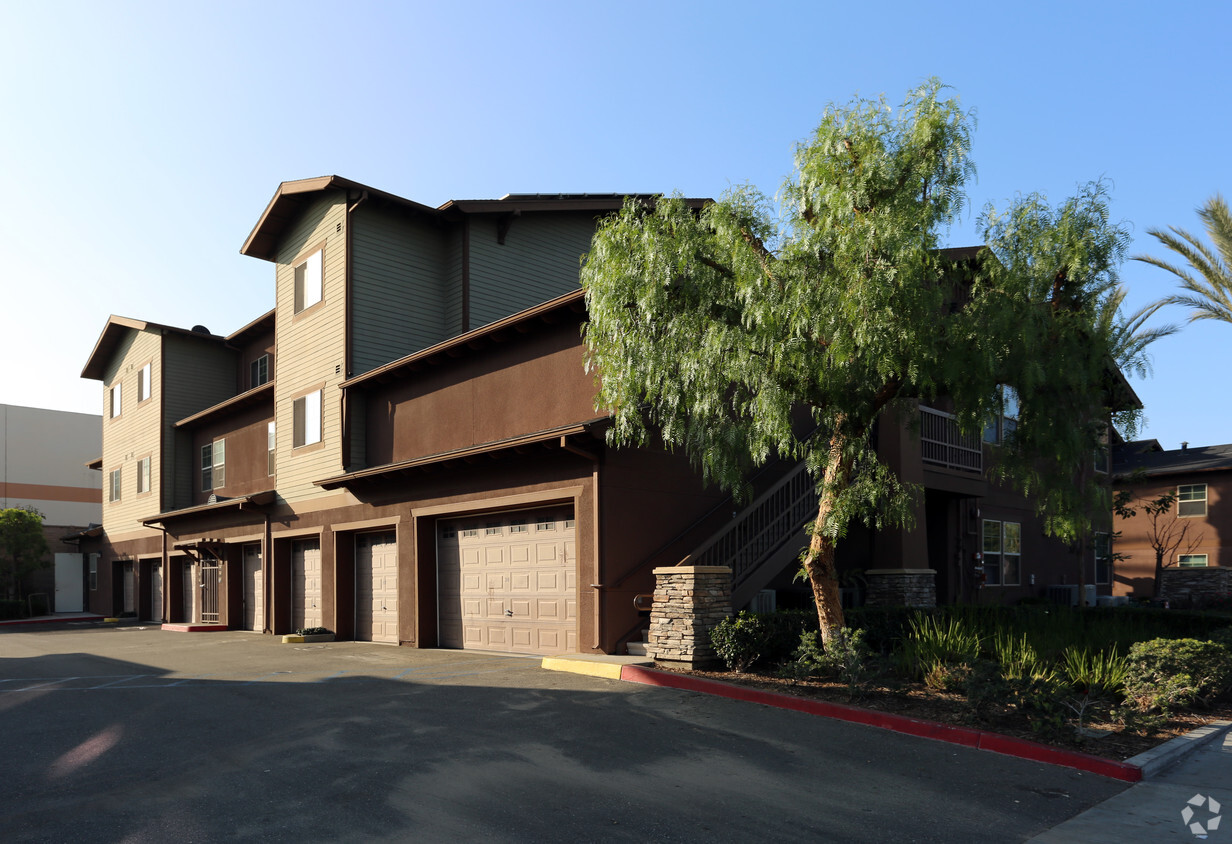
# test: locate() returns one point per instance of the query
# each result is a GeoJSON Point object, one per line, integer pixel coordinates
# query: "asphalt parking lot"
{"type": "Point", "coordinates": [135, 734]}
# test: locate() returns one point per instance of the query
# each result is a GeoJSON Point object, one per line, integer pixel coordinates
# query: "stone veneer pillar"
{"type": "Point", "coordinates": [901, 588]}
{"type": "Point", "coordinates": [689, 601]}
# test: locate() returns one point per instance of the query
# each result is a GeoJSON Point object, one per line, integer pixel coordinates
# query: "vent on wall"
{"type": "Point", "coordinates": [1066, 595]}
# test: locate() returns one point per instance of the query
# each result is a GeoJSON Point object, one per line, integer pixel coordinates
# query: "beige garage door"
{"type": "Point", "coordinates": [508, 582]}
{"type": "Point", "coordinates": [376, 587]}
{"type": "Point", "coordinates": [306, 584]}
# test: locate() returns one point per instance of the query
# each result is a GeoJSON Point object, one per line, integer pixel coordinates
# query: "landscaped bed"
{"type": "Point", "coordinates": [1110, 682]}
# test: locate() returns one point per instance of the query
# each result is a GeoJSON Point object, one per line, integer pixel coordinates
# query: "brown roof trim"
{"type": "Point", "coordinates": [570, 301]}
{"type": "Point", "coordinates": [290, 199]}
{"type": "Point", "coordinates": [390, 469]}
{"type": "Point", "coordinates": [263, 323]}
{"type": "Point", "coordinates": [92, 532]}
{"type": "Point", "coordinates": [517, 203]}
{"type": "Point", "coordinates": [96, 464]}
{"type": "Point", "coordinates": [257, 499]}
{"type": "Point", "coordinates": [245, 399]}
{"type": "Point", "coordinates": [113, 333]}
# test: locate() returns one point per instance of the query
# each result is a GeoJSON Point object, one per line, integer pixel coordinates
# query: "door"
{"type": "Point", "coordinates": [306, 584]}
{"type": "Point", "coordinates": [130, 589]}
{"type": "Point", "coordinates": [156, 591]}
{"type": "Point", "coordinates": [376, 587]}
{"type": "Point", "coordinates": [70, 583]}
{"type": "Point", "coordinates": [509, 582]}
{"type": "Point", "coordinates": [254, 591]}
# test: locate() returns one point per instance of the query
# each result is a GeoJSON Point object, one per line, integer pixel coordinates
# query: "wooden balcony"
{"type": "Point", "coordinates": [942, 444]}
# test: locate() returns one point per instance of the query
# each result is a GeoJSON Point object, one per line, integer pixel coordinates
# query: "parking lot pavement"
{"type": "Point", "coordinates": [145, 735]}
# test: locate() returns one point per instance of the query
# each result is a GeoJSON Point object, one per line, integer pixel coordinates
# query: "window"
{"type": "Point", "coordinates": [517, 526]}
{"type": "Point", "coordinates": [1103, 558]}
{"type": "Point", "coordinates": [1002, 552]}
{"type": "Point", "coordinates": [258, 372]}
{"type": "Point", "coordinates": [545, 524]}
{"type": "Point", "coordinates": [143, 383]}
{"type": "Point", "coordinates": [113, 485]}
{"type": "Point", "coordinates": [1001, 426]}
{"type": "Point", "coordinates": [1191, 500]}
{"type": "Point", "coordinates": [213, 465]}
{"type": "Point", "coordinates": [306, 411]}
{"type": "Point", "coordinates": [143, 475]}
{"type": "Point", "coordinates": [94, 572]}
{"type": "Point", "coordinates": [492, 529]}
{"type": "Point", "coordinates": [114, 404]}
{"type": "Point", "coordinates": [271, 464]}
{"type": "Point", "coordinates": [1191, 561]}
{"type": "Point", "coordinates": [308, 282]}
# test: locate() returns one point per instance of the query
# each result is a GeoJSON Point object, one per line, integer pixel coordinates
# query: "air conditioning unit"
{"type": "Point", "coordinates": [1088, 595]}
{"type": "Point", "coordinates": [763, 602]}
{"type": "Point", "coordinates": [1064, 594]}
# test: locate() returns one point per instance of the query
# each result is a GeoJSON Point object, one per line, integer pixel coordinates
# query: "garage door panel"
{"type": "Point", "coordinates": [508, 581]}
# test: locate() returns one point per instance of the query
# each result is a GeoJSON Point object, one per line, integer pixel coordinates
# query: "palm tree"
{"type": "Point", "coordinates": [1208, 289]}
{"type": "Point", "coordinates": [1129, 334]}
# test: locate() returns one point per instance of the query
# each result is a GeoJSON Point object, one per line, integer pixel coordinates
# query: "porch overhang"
{"type": "Point", "coordinates": [551, 438]}
{"type": "Point", "coordinates": [255, 500]}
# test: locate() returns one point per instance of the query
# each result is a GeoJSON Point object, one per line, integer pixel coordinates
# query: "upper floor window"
{"type": "Point", "coordinates": [258, 372]}
{"type": "Point", "coordinates": [270, 440]}
{"type": "Point", "coordinates": [1103, 557]}
{"type": "Point", "coordinates": [143, 475]}
{"type": "Point", "coordinates": [308, 282]}
{"type": "Point", "coordinates": [143, 382]}
{"type": "Point", "coordinates": [1002, 552]}
{"type": "Point", "coordinates": [213, 465]}
{"type": "Point", "coordinates": [1191, 500]}
{"type": "Point", "coordinates": [114, 485]}
{"type": "Point", "coordinates": [1192, 561]}
{"type": "Point", "coordinates": [114, 396]}
{"type": "Point", "coordinates": [306, 418]}
{"type": "Point", "coordinates": [1001, 426]}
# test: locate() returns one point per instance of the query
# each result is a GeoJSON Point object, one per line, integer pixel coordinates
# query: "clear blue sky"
{"type": "Point", "coordinates": [141, 141]}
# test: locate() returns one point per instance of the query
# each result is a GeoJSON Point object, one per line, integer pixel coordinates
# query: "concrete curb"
{"type": "Point", "coordinates": [1157, 759]}
{"type": "Point", "coordinates": [965, 736]}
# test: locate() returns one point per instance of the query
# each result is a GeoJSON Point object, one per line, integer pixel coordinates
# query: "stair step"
{"type": "Point", "coordinates": [637, 649]}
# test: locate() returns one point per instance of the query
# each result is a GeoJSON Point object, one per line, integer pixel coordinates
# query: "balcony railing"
{"type": "Point", "coordinates": [942, 444]}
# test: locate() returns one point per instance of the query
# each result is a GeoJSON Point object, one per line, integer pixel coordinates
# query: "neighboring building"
{"type": "Point", "coordinates": [406, 449]}
{"type": "Point", "coordinates": [1195, 532]}
{"type": "Point", "coordinates": [44, 464]}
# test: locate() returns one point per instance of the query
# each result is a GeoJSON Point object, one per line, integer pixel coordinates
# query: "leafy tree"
{"type": "Point", "coordinates": [1165, 533]}
{"type": "Point", "coordinates": [23, 549]}
{"type": "Point", "coordinates": [1207, 281]}
{"type": "Point", "coordinates": [715, 328]}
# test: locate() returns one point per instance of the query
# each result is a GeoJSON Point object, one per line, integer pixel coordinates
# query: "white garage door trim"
{"type": "Point", "coordinates": [507, 581]}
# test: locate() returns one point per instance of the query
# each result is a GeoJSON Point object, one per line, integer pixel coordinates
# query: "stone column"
{"type": "Point", "coordinates": [901, 588]}
{"type": "Point", "coordinates": [689, 601]}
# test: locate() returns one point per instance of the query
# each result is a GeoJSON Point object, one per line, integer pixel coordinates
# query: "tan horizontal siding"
{"type": "Point", "coordinates": [133, 434]}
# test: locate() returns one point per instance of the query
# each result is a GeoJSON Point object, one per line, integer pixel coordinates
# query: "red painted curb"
{"type": "Point", "coordinates": [965, 736]}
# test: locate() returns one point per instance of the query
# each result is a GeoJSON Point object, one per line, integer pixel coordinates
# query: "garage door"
{"type": "Point", "coordinates": [306, 584]}
{"type": "Point", "coordinates": [508, 582]}
{"type": "Point", "coordinates": [376, 587]}
{"type": "Point", "coordinates": [254, 592]}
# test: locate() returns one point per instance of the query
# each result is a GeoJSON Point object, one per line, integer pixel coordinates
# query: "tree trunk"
{"type": "Point", "coordinates": [1159, 571]}
{"type": "Point", "coordinates": [819, 562]}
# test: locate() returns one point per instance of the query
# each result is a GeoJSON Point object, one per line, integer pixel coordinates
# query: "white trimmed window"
{"type": "Point", "coordinates": [114, 400]}
{"type": "Point", "coordinates": [143, 382]}
{"type": "Point", "coordinates": [258, 372]}
{"type": "Point", "coordinates": [308, 282]}
{"type": "Point", "coordinates": [213, 465]}
{"type": "Point", "coordinates": [1192, 561]}
{"type": "Point", "coordinates": [1191, 500]}
{"type": "Point", "coordinates": [114, 481]}
{"type": "Point", "coordinates": [143, 475]}
{"type": "Point", "coordinates": [270, 440]}
{"type": "Point", "coordinates": [306, 418]}
{"type": "Point", "coordinates": [1002, 553]}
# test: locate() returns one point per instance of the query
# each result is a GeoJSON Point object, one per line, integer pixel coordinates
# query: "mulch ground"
{"type": "Point", "coordinates": [914, 700]}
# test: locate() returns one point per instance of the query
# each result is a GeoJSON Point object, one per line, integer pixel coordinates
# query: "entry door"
{"type": "Point", "coordinates": [130, 588]}
{"type": "Point", "coordinates": [376, 587]}
{"type": "Point", "coordinates": [508, 582]}
{"type": "Point", "coordinates": [306, 584]}
{"type": "Point", "coordinates": [69, 583]}
{"type": "Point", "coordinates": [254, 593]}
{"type": "Point", "coordinates": [156, 591]}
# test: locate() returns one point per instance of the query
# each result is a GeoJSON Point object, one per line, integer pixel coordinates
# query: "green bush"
{"type": "Point", "coordinates": [1167, 673]}
{"type": "Point", "coordinates": [932, 641]}
{"type": "Point", "coordinates": [847, 660]}
{"type": "Point", "coordinates": [741, 641]}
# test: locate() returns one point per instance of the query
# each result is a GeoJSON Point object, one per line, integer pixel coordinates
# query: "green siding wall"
{"type": "Point", "coordinates": [197, 374]}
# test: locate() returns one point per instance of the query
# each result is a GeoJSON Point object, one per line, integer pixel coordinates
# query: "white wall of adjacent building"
{"type": "Point", "coordinates": [43, 457]}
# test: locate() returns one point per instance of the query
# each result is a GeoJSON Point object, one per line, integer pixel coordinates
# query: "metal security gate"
{"type": "Point", "coordinates": [211, 586]}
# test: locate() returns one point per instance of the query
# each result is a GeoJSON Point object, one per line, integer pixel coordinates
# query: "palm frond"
{"type": "Point", "coordinates": [1208, 293]}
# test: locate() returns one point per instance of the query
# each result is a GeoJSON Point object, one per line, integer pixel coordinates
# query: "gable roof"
{"type": "Point", "coordinates": [115, 330]}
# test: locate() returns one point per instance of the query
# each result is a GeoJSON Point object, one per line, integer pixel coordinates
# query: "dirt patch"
{"type": "Point", "coordinates": [914, 700]}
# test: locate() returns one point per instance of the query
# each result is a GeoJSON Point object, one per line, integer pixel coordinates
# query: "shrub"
{"type": "Point", "coordinates": [932, 641]}
{"type": "Point", "coordinates": [1166, 673]}
{"type": "Point", "coordinates": [741, 641]}
{"type": "Point", "coordinates": [312, 631]}
{"type": "Point", "coordinates": [847, 660]}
